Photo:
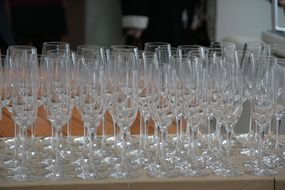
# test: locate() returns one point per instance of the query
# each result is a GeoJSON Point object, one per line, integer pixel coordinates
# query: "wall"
{"type": "Point", "coordinates": [245, 18]}
{"type": "Point", "coordinates": [103, 22]}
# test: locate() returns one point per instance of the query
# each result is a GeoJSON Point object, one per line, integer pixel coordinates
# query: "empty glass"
{"type": "Point", "coordinates": [124, 106]}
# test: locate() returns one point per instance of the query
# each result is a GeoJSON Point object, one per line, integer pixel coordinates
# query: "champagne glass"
{"type": "Point", "coordinates": [259, 50]}
{"type": "Point", "coordinates": [124, 106]}
{"type": "Point", "coordinates": [58, 105]}
{"type": "Point", "coordinates": [91, 106]}
{"type": "Point", "coordinates": [194, 164]}
{"type": "Point", "coordinates": [121, 49]}
{"type": "Point", "coordinates": [230, 110]}
{"type": "Point", "coordinates": [263, 109]}
{"type": "Point", "coordinates": [97, 53]}
{"type": "Point", "coordinates": [279, 109]}
{"type": "Point", "coordinates": [248, 66]}
{"type": "Point", "coordinates": [25, 85]}
{"type": "Point", "coordinates": [163, 115]}
{"type": "Point", "coordinates": [59, 46]}
{"type": "Point", "coordinates": [6, 102]}
{"type": "Point", "coordinates": [146, 65]}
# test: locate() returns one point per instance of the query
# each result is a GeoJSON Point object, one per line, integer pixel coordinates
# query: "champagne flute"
{"type": "Point", "coordinates": [91, 106]}
{"type": "Point", "coordinates": [58, 105]}
{"type": "Point", "coordinates": [25, 87]}
{"type": "Point", "coordinates": [124, 106]}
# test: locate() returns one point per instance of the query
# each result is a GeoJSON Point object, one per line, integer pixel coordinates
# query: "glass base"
{"type": "Point", "coordinates": [263, 172]}
{"type": "Point", "coordinates": [194, 173]}
{"type": "Point", "coordinates": [121, 171]}
{"type": "Point", "coordinates": [227, 172]}
{"type": "Point", "coordinates": [162, 169]}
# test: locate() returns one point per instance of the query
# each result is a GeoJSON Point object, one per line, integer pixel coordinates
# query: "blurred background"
{"type": "Point", "coordinates": [100, 21]}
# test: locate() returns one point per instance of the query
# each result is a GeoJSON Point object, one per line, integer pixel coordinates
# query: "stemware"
{"type": "Point", "coordinates": [193, 99]}
{"type": "Point", "coordinates": [25, 86]}
{"type": "Point", "coordinates": [247, 63]}
{"type": "Point", "coordinates": [230, 108]}
{"type": "Point", "coordinates": [163, 115]}
{"type": "Point", "coordinates": [91, 106]}
{"type": "Point", "coordinates": [121, 49]}
{"type": "Point", "coordinates": [57, 46]}
{"type": "Point", "coordinates": [58, 104]}
{"type": "Point", "coordinates": [98, 53]}
{"type": "Point", "coordinates": [146, 65]}
{"type": "Point", "coordinates": [124, 106]}
{"type": "Point", "coordinates": [279, 109]}
{"type": "Point", "coordinates": [263, 110]}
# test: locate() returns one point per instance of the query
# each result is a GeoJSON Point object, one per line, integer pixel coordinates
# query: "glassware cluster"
{"type": "Point", "coordinates": [201, 89]}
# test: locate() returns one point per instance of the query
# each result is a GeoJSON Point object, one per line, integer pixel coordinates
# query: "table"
{"type": "Point", "coordinates": [245, 182]}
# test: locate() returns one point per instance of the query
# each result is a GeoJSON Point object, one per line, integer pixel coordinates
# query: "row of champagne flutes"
{"type": "Point", "coordinates": [189, 83]}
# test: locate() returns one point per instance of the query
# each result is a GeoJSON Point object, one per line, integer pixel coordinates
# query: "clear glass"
{"type": "Point", "coordinates": [279, 109]}
{"type": "Point", "coordinates": [99, 53]}
{"type": "Point", "coordinates": [124, 108]}
{"type": "Point", "coordinates": [58, 105]}
{"type": "Point", "coordinates": [146, 65]}
{"type": "Point", "coordinates": [263, 110]}
{"type": "Point", "coordinates": [91, 106]}
{"type": "Point", "coordinates": [247, 64]}
{"type": "Point", "coordinates": [229, 110]}
{"type": "Point", "coordinates": [25, 86]}
{"type": "Point", "coordinates": [194, 163]}
{"type": "Point", "coordinates": [163, 115]}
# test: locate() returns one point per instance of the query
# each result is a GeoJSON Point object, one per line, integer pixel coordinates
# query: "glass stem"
{"type": "Point", "coordinates": [85, 140]}
{"type": "Point", "coordinates": [145, 131]}
{"type": "Point", "coordinates": [194, 141]}
{"type": "Point", "coordinates": [210, 132]}
{"type": "Point", "coordinates": [56, 147]}
{"type": "Point", "coordinates": [157, 137]}
{"type": "Point", "coordinates": [278, 125]}
{"type": "Point", "coordinates": [17, 139]}
{"type": "Point", "coordinates": [115, 134]}
{"type": "Point", "coordinates": [229, 143]}
{"type": "Point", "coordinates": [103, 132]}
{"type": "Point", "coordinates": [33, 133]}
{"type": "Point", "coordinates": [92, 137]}
{"type": "Point", "coordinates": [251, 130]}
{"type": "Point", "coordinates": [124, 147]}
{"type": "Point", "coordinates": [141, 131]}
{"type": "Point", "coordinates": [68, 131]}
{"type": "Point", "coordinates": [178, 134]}
{"type": "Point", "coordinates": [219, 136]}
{"type": "Point", "coordinates": [261, 129]}
{"type": "Point", "coordinates": [24, 150]}
{"type": "Point", "coordinates": [181, 130]}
